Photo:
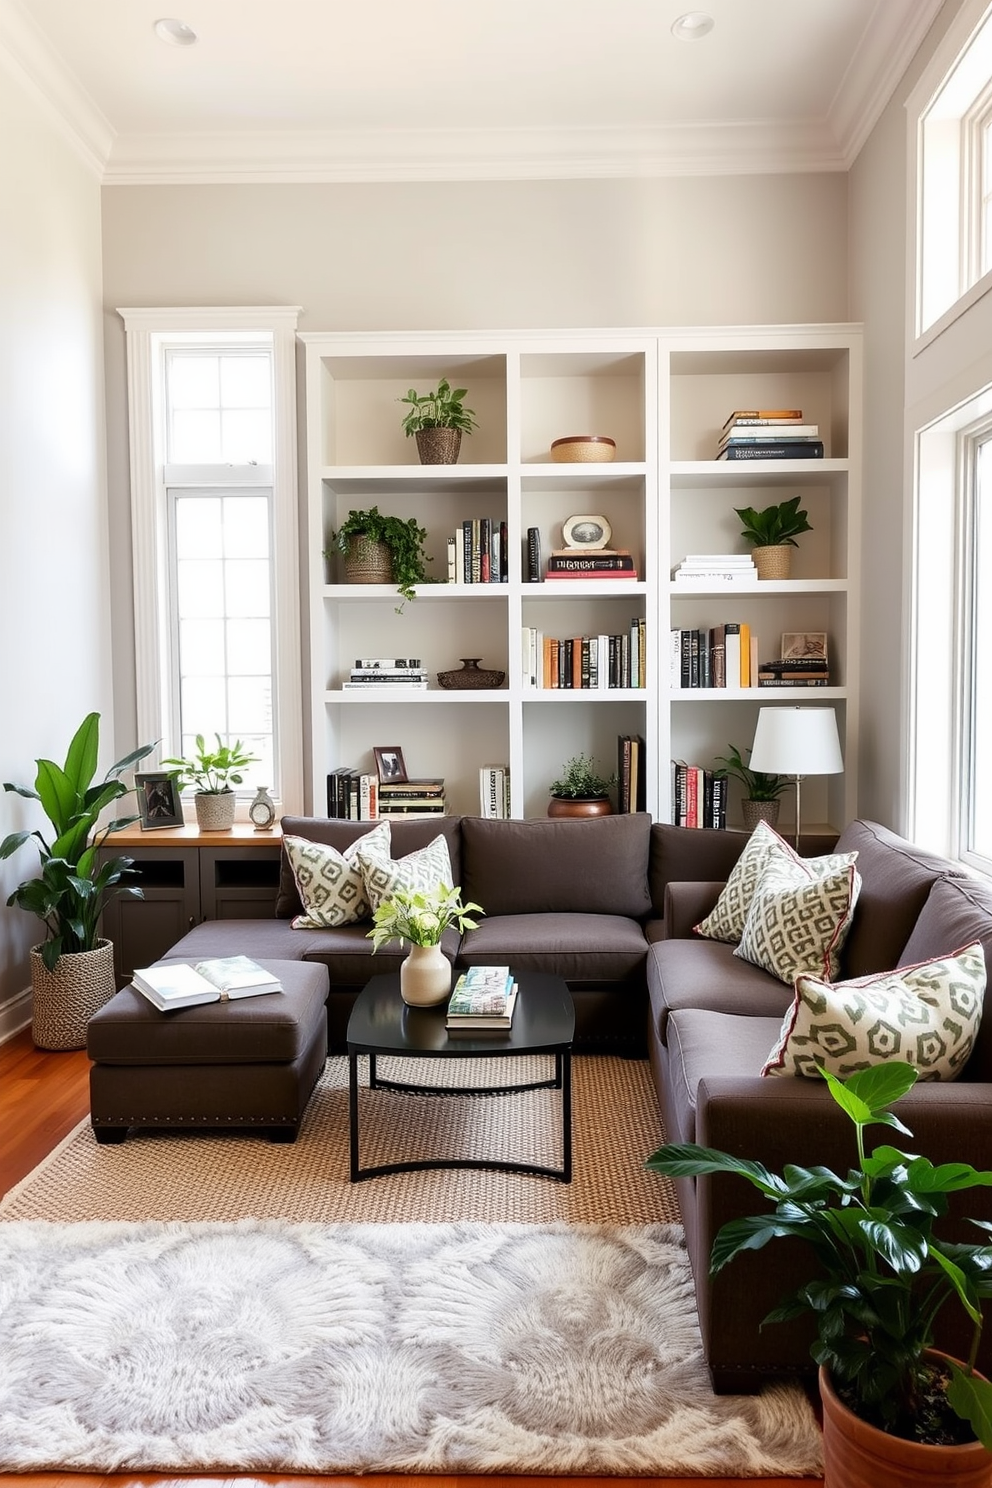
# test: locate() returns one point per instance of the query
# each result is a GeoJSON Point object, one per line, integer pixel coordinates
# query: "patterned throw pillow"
{"type": "Point", "coordinates": [764, 847]}
{"type": "Point", "coordinates": [797, 922]}
{"type": "Point", "coordinates": [330, 883]}
{"type": "Point", "coordinates": [927, 1015]}
{"type": "Point", "coordinates": [428, 868]}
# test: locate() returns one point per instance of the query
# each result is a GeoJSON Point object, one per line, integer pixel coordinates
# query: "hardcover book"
{"type": "Point", "coordinates": [177, 985]}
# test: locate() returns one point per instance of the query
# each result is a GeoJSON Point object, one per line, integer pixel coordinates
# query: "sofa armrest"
{"type": "Point", "coordinates": [687, 903]}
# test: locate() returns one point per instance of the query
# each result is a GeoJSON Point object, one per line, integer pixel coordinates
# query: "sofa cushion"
{"type": "Point", "coordinates": [330, 883]}
{"type": "Point", "coordinates": [406, 837]}
{"type": "Point", "coordinates": [797, 922]}
{"type": "Point", "coordinates": [957, 911]}
{"type": "Point", "coordinates": [704, 1045]}
{"type": "Point", "coordinates": [706, 974]}
{"type": "Point", "coordinates": [551, 865]}
{"type": "Point", "coordinates": [260, 939]}
{"type": "Point", "coordinates": [417, 873]}
{"type": "Point", "coordinates": [583, 948]}
{"type": "Point", "coordinates": [764, 848]}
{"type": "Point", "coordinates": [927, 1015]}
{"type": "Point", "coordinates": [896, 878]}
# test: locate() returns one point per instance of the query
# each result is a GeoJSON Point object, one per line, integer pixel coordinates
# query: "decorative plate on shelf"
{"type": "Point", "coordinates": [586, 532]}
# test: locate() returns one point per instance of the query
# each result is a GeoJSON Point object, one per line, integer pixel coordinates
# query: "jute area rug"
{"type": "Point", "coordinates": [220, 1304]}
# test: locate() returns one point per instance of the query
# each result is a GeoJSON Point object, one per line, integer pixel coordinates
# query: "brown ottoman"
{"type": "Point", "coordinates": [250, 1062]}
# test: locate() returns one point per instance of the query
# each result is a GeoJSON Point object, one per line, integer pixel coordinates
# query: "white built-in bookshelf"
{"type": "Point", "coordinates": [662, 396]}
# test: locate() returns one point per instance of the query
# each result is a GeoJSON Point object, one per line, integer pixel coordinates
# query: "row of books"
{"type": "Point", "coordinates": [494, 791]}
{"type": "Point", "coordinates": [706, 569]}
{"type": "Point", "coordinates": [477, 552]}
{"type": "Point", "coordinates": [631, 773]}
{"type": "Point", "coordinates": [727, 656]}
{"type": "Point", "coordinates": [387, 671]}
{"type": "Point", "coordinates": [482, 998]}
{"type": "Point", "coordinates": [699, 796]}
{"type": "Point", "coordinates": [769, 434]}
{"type": "Point", "coordinates": [357, 795]}
{"type": "Point", "coordinates": [585, 662]}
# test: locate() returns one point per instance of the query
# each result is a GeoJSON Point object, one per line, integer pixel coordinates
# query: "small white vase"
{"type": "Point", "coordinates": [425, 976]}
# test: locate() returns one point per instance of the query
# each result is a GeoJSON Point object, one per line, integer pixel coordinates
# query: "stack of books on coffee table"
{"type": "Point", "coordinates": [483, 997]}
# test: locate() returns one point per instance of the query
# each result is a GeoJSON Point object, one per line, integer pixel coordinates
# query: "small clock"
{"type": "Point", "coordinates": [586, 532]}
{"type": "Point", "coordinates": [262, 810]}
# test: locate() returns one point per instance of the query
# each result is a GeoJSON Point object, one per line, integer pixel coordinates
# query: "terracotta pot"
{"type": "Point", "coordinates": [580, 806]}
{"type": "Point", "coordinates": [425, 976]}
{"type": "Point", "coordinates": [856, 1455]}
{"type": "Point", "coordinates": [215, 810]}
{"type": "Point", "coordinates": [65, 998]}
{"type": "Point", "coordinates": [438, 446]}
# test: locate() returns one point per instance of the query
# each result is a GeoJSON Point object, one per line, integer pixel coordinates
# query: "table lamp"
{"type": "Point", "coordinates": [797, 742]}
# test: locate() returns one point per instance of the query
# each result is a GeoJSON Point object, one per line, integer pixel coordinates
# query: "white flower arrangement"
{"type": "Point", "coordinates": [421, 917]}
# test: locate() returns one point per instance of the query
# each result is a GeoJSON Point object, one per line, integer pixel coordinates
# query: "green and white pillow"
{"type": "Point", "coordinates": [797, 922]}
{"type": "Point", "coordinates": [330, 883]}
{"type": "Point", "coordinates": [927, 1015]}
{"type": "Point", "coordinates": [427, 868]}
{"type": "Point", "coordinates": [764, 847]}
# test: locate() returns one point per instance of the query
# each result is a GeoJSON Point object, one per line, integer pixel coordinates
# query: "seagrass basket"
{"type": "Point", "coordinates": [774, 562]}
{"type": "Point", "coordinates": [65, 998]}
{"type": "Point", "coordinates": [368, 562]}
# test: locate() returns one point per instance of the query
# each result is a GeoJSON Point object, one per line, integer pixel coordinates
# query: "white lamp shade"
{"type": "Point", "coordinates": [796, 741]}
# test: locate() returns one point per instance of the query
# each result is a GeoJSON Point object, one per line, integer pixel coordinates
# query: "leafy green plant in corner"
{"type": "Point", "coordinates": [421, 917]}
{"type": "Point", "coordinates": [580, 780]}
{"type": "Point", "coordinates": [70, 892]}
{"type": "Point", "coordinates": [441, 409]}
{"type": "Point", "coordinates": [404, 537]}
{"type": "Point", "coordinates": [212, 771]}
{"type": "Point", "coordinates": [775, 525]}
{"type": "Point", "coordinates": [882, 1276]}
{"type": "Point", "coordinates": [758, 785]}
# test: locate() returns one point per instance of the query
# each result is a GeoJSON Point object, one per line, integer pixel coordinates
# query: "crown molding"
{"type": "Point", "coordinates": [891, 41]}
{"type": "Point", "coordinates": [26, 55]}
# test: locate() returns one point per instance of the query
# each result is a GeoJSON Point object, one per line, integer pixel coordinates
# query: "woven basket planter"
{"type": "Point", "coordinates": [368, 562]}
{"type": "Point", "coordinates": [773, 562]}
{"type": "Point", "coordinates": [438, 446]}
{"type": "Point", "coordinates": [65, 998]}
{"type": "Point", "coordinates": [755, 811]}
{"type": "Point", "coordinates": [215, 810]}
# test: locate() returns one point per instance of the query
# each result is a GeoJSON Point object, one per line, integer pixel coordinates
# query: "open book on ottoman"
{"type": "Point", "coordinates": [178, 985]}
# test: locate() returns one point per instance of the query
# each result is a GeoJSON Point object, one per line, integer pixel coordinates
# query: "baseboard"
{"type": "Point", "coordinates": [15, 1014]}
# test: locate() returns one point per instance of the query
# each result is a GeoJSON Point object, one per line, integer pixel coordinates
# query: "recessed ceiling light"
{"type": "Point", "coordinates": [176, 33]}
{"type": "Point", "coordinates": [693, 25]}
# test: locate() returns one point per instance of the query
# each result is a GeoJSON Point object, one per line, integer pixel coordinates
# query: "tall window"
{"type": "Point", "coordinates": [976, 796]}
{"type": "Point", "coordinates": [212, 422]}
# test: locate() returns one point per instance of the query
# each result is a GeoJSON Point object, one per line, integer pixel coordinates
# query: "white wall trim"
{"type": "Point", "coordinates": [887, 48]}
{"type": "Point", "coordinates": [15, 1014]}
{"type": "Point", "coordinates": [27, 56]}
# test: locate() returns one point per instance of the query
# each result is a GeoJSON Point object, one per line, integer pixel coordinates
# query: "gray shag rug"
{"type": "Point", "coordinates": [266, 1346]}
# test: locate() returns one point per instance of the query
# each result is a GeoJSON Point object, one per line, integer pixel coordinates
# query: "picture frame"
{"type": "Point", "coordinates": [804, 645]}
{"type": "Point", "coordinates": [159, 803]}
{"type": "Point", "coordinates": [389, 764]}
{"type": "Point", "coordinates": [590, 531]}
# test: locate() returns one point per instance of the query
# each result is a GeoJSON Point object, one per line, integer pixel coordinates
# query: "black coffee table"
{"type": "Point", "coordinates": [543, 1023]}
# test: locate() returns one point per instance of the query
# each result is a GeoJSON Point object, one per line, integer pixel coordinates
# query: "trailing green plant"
{"type": "Point", "coordinates": [441, 409]}
{"type": "Point", "coordinates": [758, 784]}
{"type": "Point", "coordinates": [580, 779]}
{"type": "Point", "coordinates": [212, 771]}
{"type": "Point", "coordinates": [421, 917]}
{"type": "Point", "coordinates": [882, 1275]}
{"type": "Point", "coordinates": [404, 537]}
{"type": "Point", "coordinates": [73, 887]}
{"type": "Point", "coordinates": [774, 525]}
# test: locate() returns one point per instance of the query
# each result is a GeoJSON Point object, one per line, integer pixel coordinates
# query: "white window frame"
{"type": "Point", "coordinates": [149, 332]}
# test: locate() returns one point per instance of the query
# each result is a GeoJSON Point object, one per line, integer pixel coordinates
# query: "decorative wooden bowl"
{"type": "Point", "coordinates": [585, 449]}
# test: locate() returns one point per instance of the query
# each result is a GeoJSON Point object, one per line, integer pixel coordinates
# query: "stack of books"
{"type": "Point", "coordinates": [483, 998]}
{"type": "Point", "coordinates": [709, 569]}
{"type": "Point", "coordinates": [585, 662]}
{"type": "Point", "coordinates": [699, 796]}
{"type": "Point", "coordinates": [715, 656]}
{"type": "Point", "coordinates": [797, 671]}
{"type": "Point", "coordinates": [477, 552]}
{"type": "Point", "coordinates": [494, 791]}
{"type": "Point", "coordinates": [631, 773]}
{"type": "Point", "coordinates": [387, 671]}
{"type": "Point", "coordinates": [411, 798]}
{"type": "Point", "coordinates": [352, 795]}
{"type": "Point", "coordinates": [591, 563]}
{"type": "Point", "coordinates": [769, 434]}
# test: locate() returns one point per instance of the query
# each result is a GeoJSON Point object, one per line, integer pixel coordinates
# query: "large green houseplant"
{"type": "Point", "coordinates": [881, 1276]}
{"type": "Point", "coordinates": [404, 539]}
{"type": "Point", "coordinates": [73, 885]}
{"type": "Point", "coordinates": [437, 420]}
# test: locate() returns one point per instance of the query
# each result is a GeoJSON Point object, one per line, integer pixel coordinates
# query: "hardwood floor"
{"type": "Point", "coordinates": [42, 1097]}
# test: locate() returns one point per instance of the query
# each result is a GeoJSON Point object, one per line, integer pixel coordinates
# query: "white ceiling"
{"type": "Point", "coordinates": [320, 90]}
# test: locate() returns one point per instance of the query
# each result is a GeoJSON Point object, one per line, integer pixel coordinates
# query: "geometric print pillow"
{"type": "Point", "coordinates": [763, 848]}
{"type": "Point", "coordinates": [797, 923]}
{"type": "Point", "coordinates": [418, 872]}
{"type": "Point", "coordinates": [330, 883]}
{"type": "Point", "coordinates": [927, 1015]}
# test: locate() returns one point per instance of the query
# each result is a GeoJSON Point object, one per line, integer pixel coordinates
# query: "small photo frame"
{"type": "Point", "coordinates": [804, 645]}
{"type": "Point", "coordinates": [158, 800]}
{"type": "Point", "coordinates": [389, 764]}
{"type": "Point", "coordinates": [591, 531]}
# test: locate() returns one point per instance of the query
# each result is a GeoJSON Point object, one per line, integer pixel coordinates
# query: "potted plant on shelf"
{"type": "Point", "coordinates": [421, 917]}
{"type": "Point", "coordinates": [581, 790]}
{"type": "Point", "coordinates": [72, 971]}
{"type": "Point", "coordinates": [382, 550]}
{"type": "Point", "coordinates": [772, 533]}
{"type": "Point", "coordinates": [212, 772]}
{"type": "Point", "coordinates": [438, 420]}
{"type": "Point", "coordinates": [882, 1279]}
{"type": "Point", "coordinates": [762, 792]}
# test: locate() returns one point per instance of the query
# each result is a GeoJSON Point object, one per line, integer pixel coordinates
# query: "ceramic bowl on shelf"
{"type": "Point", "coordinates": [584, 449]}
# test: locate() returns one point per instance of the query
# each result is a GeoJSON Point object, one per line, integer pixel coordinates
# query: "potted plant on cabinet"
{"type": "Point", "coordinates": [762, 792]}
{"type": "Point", "coordinates": [72, 970]}
{"type": "Point", "coordinates": [438, 420]}
{"type": "Point", "coordinates": [581, 790]}
{"type": "Point", "coordinates": [421, 917]}
{"type": "Point", "coordinates": [212, 772]}
{"type": "Point", "coordinates": [382, 550]}
{"type": "Point", "coordinates": [882, 1279]}
{"type": "Point", "coordinates": [772, 533]}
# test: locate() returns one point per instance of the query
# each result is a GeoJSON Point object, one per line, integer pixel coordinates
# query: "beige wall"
{"type": "Point", "coordinates": [55, 660]}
